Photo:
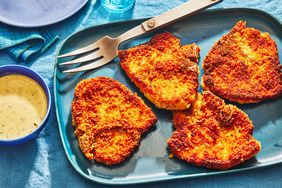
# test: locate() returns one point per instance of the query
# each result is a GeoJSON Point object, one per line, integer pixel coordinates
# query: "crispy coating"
{"type": "Point", "coordinates": [243, 66]}
{"type": "Point", "coordinates": [213, 134]}
{"type": "Point", "coordinates": [103, 107]}
{"type": "Point", "coordinates": [164, 71]}
{"type": "Point", "coordinates": [113, 144]}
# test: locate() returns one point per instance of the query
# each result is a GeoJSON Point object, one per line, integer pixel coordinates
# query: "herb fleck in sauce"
{"type": "Point", "coordinates": [23, 104]}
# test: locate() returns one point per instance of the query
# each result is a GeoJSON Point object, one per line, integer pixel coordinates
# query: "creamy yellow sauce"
{"type": "Point", "coordinates": [23, 105]}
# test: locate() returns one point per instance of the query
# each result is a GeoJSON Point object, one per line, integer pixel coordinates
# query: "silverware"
{"type": "Point", "coordinates": [105, 49]}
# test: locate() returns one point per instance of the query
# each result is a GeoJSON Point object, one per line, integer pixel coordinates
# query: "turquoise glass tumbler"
{"type": "Point", "coordinates": [118, 5]}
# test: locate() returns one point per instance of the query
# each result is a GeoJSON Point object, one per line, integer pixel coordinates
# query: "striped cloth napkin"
{"type": "Point", "coordinates": [25, 44]}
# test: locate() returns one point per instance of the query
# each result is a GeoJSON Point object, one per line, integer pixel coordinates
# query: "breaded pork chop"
{"type": "Point", "coordinates": [106, 115]}
{"type": "Point", "coordinates": [243, 66]}
{"type": "Point", "coordinates": [164, 71]}
{"type": "Point", "coordinates": [213, 134]}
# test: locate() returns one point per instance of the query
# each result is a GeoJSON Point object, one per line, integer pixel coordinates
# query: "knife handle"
{"type": "Point", "coordinates": [168, 17]}
{"type": "Point", "coordinates": [177, 13]}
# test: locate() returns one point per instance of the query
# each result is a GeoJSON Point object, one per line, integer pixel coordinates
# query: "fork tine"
{"type": "Point", "coordinates": [85, 58]}
{"type": "Point", "coordinates": [81, 50]}
{"type": "Point", "coordinates": [93, 65]}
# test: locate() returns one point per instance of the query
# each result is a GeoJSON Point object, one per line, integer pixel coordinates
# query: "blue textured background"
{"type": "Point", "coordinates": [42, 162]}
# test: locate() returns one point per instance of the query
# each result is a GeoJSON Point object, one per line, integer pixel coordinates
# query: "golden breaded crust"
{"type": "Point", "coordinates": [100, 100]}
{"type": "Point", "coordinates": [164, 71]}
{"type": "Point", "coordinates": [100, 103]}
{"type": "Point", "coordinates": [213, 134]}
{"type": "Point", "coordinates": [243, 66]}
{"type": "Point", "coordinates": [113, 144]}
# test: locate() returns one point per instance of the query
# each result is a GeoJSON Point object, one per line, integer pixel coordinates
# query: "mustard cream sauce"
{"type": "Point", "coordinates": [23, 105]}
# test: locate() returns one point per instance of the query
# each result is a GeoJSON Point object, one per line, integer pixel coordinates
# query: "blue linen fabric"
{"type": "Point", "coordinates": [43, 163]}
{"type": "Point", "coordinates": [25, 44]}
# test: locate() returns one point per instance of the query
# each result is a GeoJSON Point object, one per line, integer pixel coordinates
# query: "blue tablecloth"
{"type": "Point", "coordinates": [42, 162]}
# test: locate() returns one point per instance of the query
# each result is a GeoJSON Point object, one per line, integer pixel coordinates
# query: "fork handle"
{"type": "Point", "coordinates": [168, 17]}
{"type": "Point", "coordinates": [177, 13]}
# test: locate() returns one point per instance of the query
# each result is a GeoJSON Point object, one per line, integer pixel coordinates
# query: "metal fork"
{"type": "Point", "coordinates": [105, 49]}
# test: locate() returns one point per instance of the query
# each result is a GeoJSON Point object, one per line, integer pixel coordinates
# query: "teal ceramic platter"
{"type": "Point", "coordinates": [150, 162]}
